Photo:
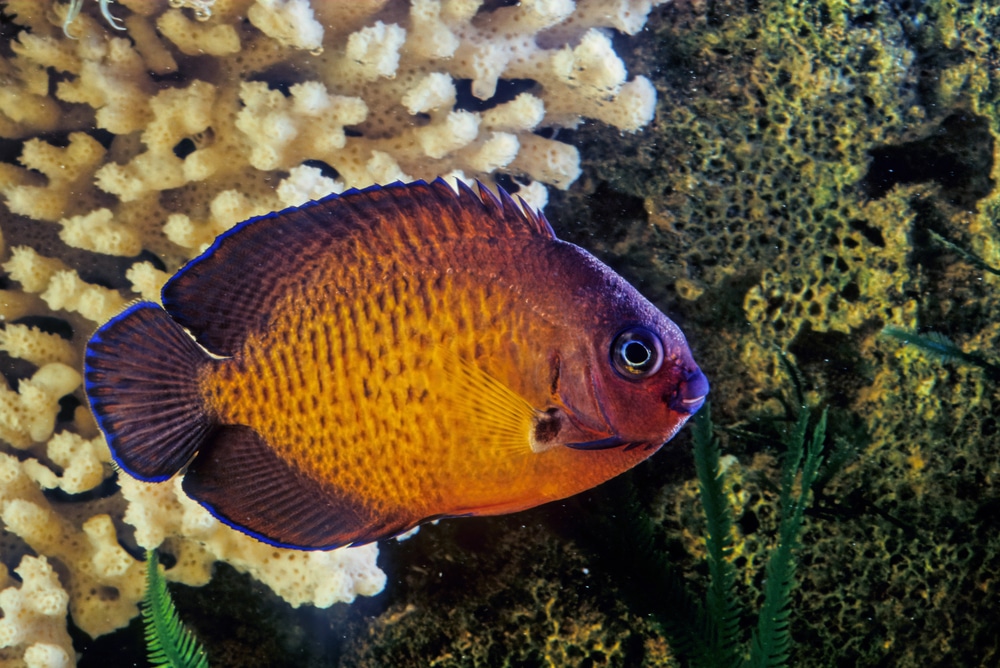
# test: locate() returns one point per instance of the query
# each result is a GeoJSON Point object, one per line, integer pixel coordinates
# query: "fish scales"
{"type": "Point", "coordinates": [478, 318]}
{"type": "Point", "coordinates": [426, 354]}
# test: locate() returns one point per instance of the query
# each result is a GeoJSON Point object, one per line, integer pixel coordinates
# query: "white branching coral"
{"type": "Point", "coordinates": [148, 127]}
{"type": "Point", "coordinates": [34, 623]}
{"type": "Point", "coordinates": [164, 515]}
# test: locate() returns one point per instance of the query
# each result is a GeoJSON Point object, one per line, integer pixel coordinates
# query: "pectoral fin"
{"type": "Point", "coordinates": [499, 416]}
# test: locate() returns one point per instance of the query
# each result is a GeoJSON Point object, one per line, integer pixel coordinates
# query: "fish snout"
{"type": "Point", "coordinates": [691, 394]}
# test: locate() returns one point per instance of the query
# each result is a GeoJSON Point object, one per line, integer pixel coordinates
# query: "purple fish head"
{"type": "Point", "coordinates": [635, 382]}
{"type": "Point", "coordinates": [650, 384]}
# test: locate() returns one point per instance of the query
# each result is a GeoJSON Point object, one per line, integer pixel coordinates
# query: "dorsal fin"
{"type": "Point", "coordinates": [229, 290]}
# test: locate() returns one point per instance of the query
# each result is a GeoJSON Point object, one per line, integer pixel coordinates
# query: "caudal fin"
{"type": "Point", "coordinates": [141, 375]}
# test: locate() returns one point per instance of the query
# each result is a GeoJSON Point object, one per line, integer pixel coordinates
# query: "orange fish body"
{"type": "Point", "coordinates": [386, 357]}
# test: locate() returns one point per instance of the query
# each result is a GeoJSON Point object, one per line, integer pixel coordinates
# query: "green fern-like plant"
{"type": "Point", "coordinates": [771, 643]}
{"type": "Point", "coordinates": [940, 346]}
{"type": "Point", "coordinates": [168, 642]}
{"type": "Point", "coordinates": [721, 624]}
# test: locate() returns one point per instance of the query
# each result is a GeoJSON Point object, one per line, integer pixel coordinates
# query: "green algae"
{"type": "Point", "coordinates": [787, 206]}
{"type": "Point", "coordinates": [502, 592]}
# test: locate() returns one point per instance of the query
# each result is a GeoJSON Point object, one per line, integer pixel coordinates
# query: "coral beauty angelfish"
{"type": "Point", "coordinates": [340, 372]}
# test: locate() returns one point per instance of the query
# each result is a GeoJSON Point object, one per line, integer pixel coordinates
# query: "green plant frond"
{"type": "Point", "coordinates": [168, 641]}
{"type": "Point", "coordinates": [844, 452]}
{"type": "Point", "coordinates": [968, 255]}
{"type": "Point", "coordinates": [934, 343]}
{"type": "Point", "coordinates": [709, 634]}
{"type": "Point", "coordinates": [794, 448]}
{"type": "Point", "coordinates": [772, 641]}
{"type": "Point", "coordinates": [722, 621]}
{"type": "Point", "coordinates": [943, 348]}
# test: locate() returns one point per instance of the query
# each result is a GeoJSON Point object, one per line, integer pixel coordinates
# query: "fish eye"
{"type": "Point", "coordinates": [636, 353]}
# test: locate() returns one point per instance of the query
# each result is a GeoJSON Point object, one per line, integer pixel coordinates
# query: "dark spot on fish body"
{"type": "Point", "coordinates": [554, 365]}
{"type": "Point", "coordinates": [439, 283]}
{"type": "Point", "coordinates": [314, 346]}
{"type": "Point", "coordinates": [547, 428]}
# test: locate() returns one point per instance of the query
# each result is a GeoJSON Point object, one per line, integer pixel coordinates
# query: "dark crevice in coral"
{"type": "Point", "coordinates": [508, 183]}
{"type": "Point", "coordinates": [831, 360]}
{"type": "Point", "coordinates": [184, 148]}
{"type": "Point", "coordinates": [101, 136]}
{"type": "Point", "coordinates": [507, 90]}
{"type": "Point", "coordinates": [107, 488]}
{"type": "Point", "coordinates": [873, 234]}
{"type": "Point", "coordinates": [57, 139]}
{"type": "Point", "coordinates": [865, 20]}
{"type": "Point", "coordinates": [9, 31]}
{"type": "Point", "coordinates": [67, 408]}
{"type": "Point", "coordinates": [282, 77]}
{"type": "Point", "coordinates": [722, 307]}
{"type": "Point", "coordinates": [152, 258]}
{"type": "Point", "coordinates": [952, 299]}
{"type": "Point", "coordinates": [48, 324]}
{"type": "Point", "coordinates": [927, 218]}
{"type": "Point", "coordinates": [126, 645]}
{"type": "Point", "coordinates": [324, 169]}
{"type": "Point", "coordinates": [493, 5]}
{"type": "Point", "coordinates": [10, 150]}
{"type": "Point", "coordinates": [958, 156]}
{"type": "Point", "coordinates": [176, 76]}
{"type": "Point", "coordinates": [14, 369]}
{"type": "Point", "coordinates": [748, 523]}
{"type": "Point", "coordinates": [610, 204]}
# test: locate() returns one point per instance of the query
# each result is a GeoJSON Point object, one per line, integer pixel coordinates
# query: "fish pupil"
{"type": "Point", "coordinates": [636, 353]}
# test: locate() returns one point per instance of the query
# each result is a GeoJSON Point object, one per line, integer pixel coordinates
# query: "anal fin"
{"type": "Point", "coordinates": [241, 481]}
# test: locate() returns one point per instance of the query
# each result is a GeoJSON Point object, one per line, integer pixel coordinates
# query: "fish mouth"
{"type": "Point", "coordinates": [692, 405]}
{"type": "Point", "coordinates": [690, 396]}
